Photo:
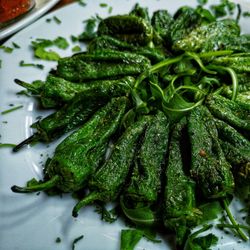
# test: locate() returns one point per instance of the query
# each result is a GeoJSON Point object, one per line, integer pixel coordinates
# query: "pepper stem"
{"type": "Point", "coordinates": [37, 187]}
{"type": "Point", "coordinates": [28, 86]}
{"type": "Point", "coordinates": [84, 202]}
{"type": "Point", "coordinates": [27, 141]}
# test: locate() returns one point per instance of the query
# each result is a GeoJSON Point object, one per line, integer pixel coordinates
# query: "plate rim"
{"type": "Point", "coordinates": [27, 19]}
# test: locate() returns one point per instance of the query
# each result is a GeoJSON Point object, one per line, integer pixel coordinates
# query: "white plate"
{"type": "Point", "coordinates": [30, 221]}
{"type": "Point", "coordinates": [41, 7]}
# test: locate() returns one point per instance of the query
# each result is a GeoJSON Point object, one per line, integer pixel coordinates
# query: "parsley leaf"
{"type": "Point", "coordinates": [129, 238]}
{"type": "Point", "coordinates": [203, 242]}
{"type": "Point", "coordinates": [39, 46]}
{"type": "Point", "coordinates": [76, 48]}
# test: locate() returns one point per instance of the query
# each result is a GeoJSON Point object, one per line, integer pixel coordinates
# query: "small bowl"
{"type": "Point", "coordinates": [12, 10]}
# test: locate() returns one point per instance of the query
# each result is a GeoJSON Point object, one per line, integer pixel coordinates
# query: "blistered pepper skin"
{"type": "Point", "coordinates": [179, 212]}
{"type": "Point", "coordinates": [77, 156]}
{"type": "Point", "coordinates": [145, 184]}
{"type": "Point", "coordinates": [209, 167]}
{"type": "Point", "coordinates": [229, 111]}
{"type": "Point", "coordinates": [128, 28]}
{"type": "Point", "coordinates": [101, 65]}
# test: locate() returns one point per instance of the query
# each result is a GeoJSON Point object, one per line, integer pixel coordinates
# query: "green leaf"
{"type": "Point", "coordinates": [143, 216]}
{"type": "Point", "coordinates": [39, 46]}
{"type": "Point", "coordinates": [41, 53]}
{"type": "Point", "coordinates": [210, 211]}
{"type": "Point", "coordinates": [76, 48]}
{"type": "Point", "coordinates": [201, 243]}
{"type": "Point", "coordinates": [129, 238]}
{"type": "Point", "coordinates": [61, 43]}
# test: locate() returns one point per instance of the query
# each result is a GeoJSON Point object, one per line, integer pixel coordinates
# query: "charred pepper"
{"type": "Point", "coordinates": [229, 111]}
{"type": "Point", "coordinates": [100, 65]}
{"type": "Point", "coordinates": [56, 91]}
{"type": "Point", "coordinates": [77, 156]}
{"type": "Point", "coordinates": [179, 212]}
{"type": "Point", "coordinates": [209, 167]}
{"type": "Point", "coordinates": [108, 180]}
{"type": "Point", "coordinates": [145, 184]}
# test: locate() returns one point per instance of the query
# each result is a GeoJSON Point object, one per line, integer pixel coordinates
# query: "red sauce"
{"type": "Point", "coordinates": [10, 9]}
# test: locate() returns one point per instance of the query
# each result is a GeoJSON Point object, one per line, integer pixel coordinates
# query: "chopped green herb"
{"type": "Point", "coordinates": [74, 38]}
{"type": "Point", "coordinates": [47, 55]}
{"type": "Point", "coordinates": [110, 9]}
{"type": "Point", "coordinates": [103, 5]}
{"type": "Point", "coordinates": [7, 145]}
{"type": "Point", "coordinates": [39, 46]}
{"type": "Point", "coordinates": [57, 20]}
{"type": "Point", "coordinates": [82, 2]}
{"type": "Point", "coordinates": [6, 49]}
{"type": "Point", "coordinates": [15, 45]}
{"type": "Point", "coordinates": [246, 14]}
{"type": "Point", "coordinates": [4, 122]}
{"type": "Point", "coordinates": [89, 32]}
{"type": "Point", "coordinates": [76, 240]}
{"type": "Point", "coordinates": [61, 43]}
{"type": "Point", "coordinates": [202, 2]}
{"type": "Point", "coordinates": [48, 20]}
{"type": "Point", "coordinates": [58, 240]}
{"type": "Point", "coordinates": [204, 242]}
{"type": "Point", "coordinates": [12, 109]}
{"type": "Point", "coordinates": [222, 9]}
{"type": "Point", "coordinates": [23, 64]}
{"type": "Point", "coordinates": [0, 63]}
{"type": "Point", "coordinates": [76, 48]}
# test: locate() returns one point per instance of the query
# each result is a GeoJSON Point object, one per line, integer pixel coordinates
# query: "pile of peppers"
{"type": "Point", "coordinates": [160, 111]}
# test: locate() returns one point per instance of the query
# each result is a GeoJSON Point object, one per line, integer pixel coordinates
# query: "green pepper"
{"type": "Point", "coordinates": [56, 91]}
{"type": "Point", "coordinates": [100, 65]}
{"type": "Point", "coordinates": [161, 22]}
{"type": "Point", "coordinates": [145, 183]}
{"type": "Point", "coordinates": [179, 212]}
{"type": "Point", "coordinates": [107, 42]}
{"type": "Point", "coordinates": [128, 28]}
{"type": "Point", "coordinates": [209, 167]}
{"type": "Point", "coordinates": [243, 95]}
{"type": "Point", "coordinates": [67, 118]}
{"type": "Point", "coordinates": [229, 111]}
{"type": "Point", "coordinates": [236, 149]}
{"type": "Point", "coordinates": [108, 181]}
{"type": "Point", "coordinates": [240, 62]}
{"type": "Point", "coordinates": [185, 20]}
{"type": "Point", "coordinates": [77, 156]}
{"type": "Point", "coordinates": [210, 37]}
